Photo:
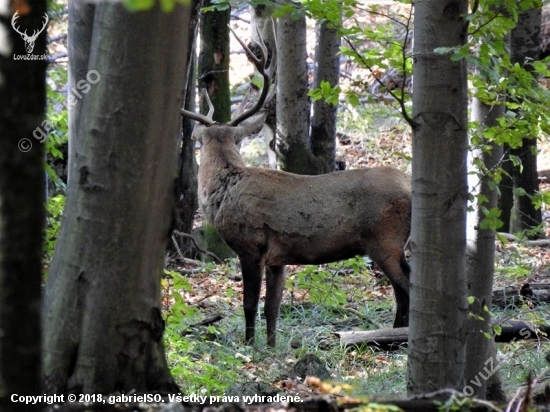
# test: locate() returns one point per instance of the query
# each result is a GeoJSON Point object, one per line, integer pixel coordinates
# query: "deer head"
{"type": "Point", "coordinates": [240, 129]}
{"type": "Point", "coordinates": [29, 40]}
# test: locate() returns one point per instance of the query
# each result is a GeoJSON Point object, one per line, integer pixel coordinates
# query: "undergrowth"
{"type": "Point", "coordinates": [318, 302]}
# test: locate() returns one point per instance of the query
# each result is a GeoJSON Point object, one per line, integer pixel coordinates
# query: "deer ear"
{"type": "Point", "coordinates": [250, 126]}
{"type": "Point", "coordinates": [198, 131]}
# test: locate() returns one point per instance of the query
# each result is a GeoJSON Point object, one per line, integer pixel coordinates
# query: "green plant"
{"type": "Point", "coordinates": [180, 315]}
{"type": "Point", "coordinates": [54, 209]}
{"type": "Point", "coordinates": [201, 366]}
{"type": "Point", "coordinates": [323, 284]}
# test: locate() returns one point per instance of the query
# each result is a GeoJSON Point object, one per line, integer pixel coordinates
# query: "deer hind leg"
{"type": "Point", "coordinates": [401, 291]}
{"type": "Point", "coordinates": [275, 285]}
{"type": "Point", "coordinates": [252, 283]}
{"type": "Point", "coordinates": [395, 267]}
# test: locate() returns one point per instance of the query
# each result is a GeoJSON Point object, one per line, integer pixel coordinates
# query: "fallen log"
{"type": "Point", "coordinates": [388, 339]}
{"type": "Point", "coordinates": [513, 238]}
{"type": "Point", "coordinates": [511, 296]}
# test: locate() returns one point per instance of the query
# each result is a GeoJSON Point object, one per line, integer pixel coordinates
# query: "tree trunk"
{"type": "Point", "coordinates": [214, 77]}
{"type": "Point", "coordinates": [293, 108]}
{"type": "Point", "coordinates": [481, 258]}
{"type": "Point", "coordinates": [525, 48]}
{"type": "Point", "coordinates": [188, 199]}
{"type": "Point", "coordinates": [438, 313]}
{"type": "Point", "coordinates": [214, 62]}
{"type": "Point", "coordinates": [323, 122]}
{"type": "Point", "coordinates": [22, 214]}
{"type": "Point", "coordinates": [506, 188]}
{"type": "Point", "coordinates": [262, 23]}
{"type": "Point", "coordinates": [103, 324]}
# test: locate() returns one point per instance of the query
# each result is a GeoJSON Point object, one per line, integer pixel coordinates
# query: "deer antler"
{"type": "Point", "coordinates": [35, 33]}
{"type": "Point", "coordinates": [267, 74]}
{"type": "Point", "coordinates": [13, 19]}
{"type": "Point", "coordinates": [265, 96]}
{"type": "Point", "coordinates": [205, 120]}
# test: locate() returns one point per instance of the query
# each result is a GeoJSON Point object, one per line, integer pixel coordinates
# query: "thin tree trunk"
{"type": "Point", "coordinates": [214, 62]}
{"type": "Point", "coordinates": [262, 23]}
{"type": "Point", "coordinates": [525, 48]}
{"type": "Point", "coordinates": [22, 214]}
{"type": "Point", "coordinates": [188, 199]}
{"type": "Point", "coordinates": [81, 14]}
{"type": "Point", "coordinates": [293, 107]}
{"type": "Point", "coordinates": [438, 314]}
{"type": "Point", "coordinates": [481, 262]}
{"type": "Point", "coordinates": [506, 187]}
{"type": "Point", "coordinates": [323, 122]}
{"type": "Point", "coordinates": [103, 324]}
{"type": "Point", "coordinates": [214, 78]}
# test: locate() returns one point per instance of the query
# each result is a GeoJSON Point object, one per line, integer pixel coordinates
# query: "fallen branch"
{"type": "Point", "coordinates": [194, 241]}
{"type": "Point", "coordinates": [539, 242]}
{"type": "Point", "coordinates": [208, 321]}
{"type": "Point", "coordinates": [511, 331]}
{"type": "Point", "coordinates": [510, 295]}
{"type": "Point", "coordinates": [184, 259]}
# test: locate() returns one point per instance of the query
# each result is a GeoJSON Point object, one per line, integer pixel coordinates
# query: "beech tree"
{"type": "Point", "coordinates": [214, 62]}
{"type": "Point", "coordinates": [22, 213]}
{"type": "Point", "coordinates": [187, 179]}
{"type": "Point", "coordinates": [102, 318]}
{"type": "Point", "coordinates": [438, 311]}
{"type": "Point", "coordinates": [483, 218]}
{"type": "Point", "coordinates": [323, 119]}
{"type": "Point", "coordinates": [481, 253]}
{"type": "Point", "coordinates": [519, 211]}
{"type": "Point", "coordinates": [306, 145]}
{"type": "Point", "coordinates": [293, 106]}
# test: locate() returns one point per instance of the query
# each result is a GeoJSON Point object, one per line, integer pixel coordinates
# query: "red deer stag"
{"type": "Point", "coordinates": [272, 218]}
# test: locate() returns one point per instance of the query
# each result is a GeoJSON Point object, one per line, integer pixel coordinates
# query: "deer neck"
{"type": "Point", "coordinates": [220, 163]}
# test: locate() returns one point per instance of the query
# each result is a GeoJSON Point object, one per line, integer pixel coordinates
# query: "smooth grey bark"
{"type": "Point", "coordinates": [525, 41]}
{"type": "Point", "coordinates": [480, 265]}
{"type": "Point", "coordinates": [323, 121]}
{"type": "Point", "coordinates": [293, 107]}
{"type": "Point", "coordinates": [22, 214]}
{"type": "Point", "coordinates": [262, 23]}
{"type": "Point", "coordinates": [102, 321]}
{"type": "Point", "coordinates": [81, 16]}
{"type": "Point", "coordinates": [438, 312]}
{"type": "Point", "coordinates": [214, 62]}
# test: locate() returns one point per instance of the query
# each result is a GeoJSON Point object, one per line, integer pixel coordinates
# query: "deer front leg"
{"type": "Point", "coordinates": [275, 284]}
{"type": "Point", "coordinates": [252, 283]}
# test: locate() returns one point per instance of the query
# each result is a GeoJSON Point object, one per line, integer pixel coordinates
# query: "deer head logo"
{"type": "Point", "coordinates": [29, 40]}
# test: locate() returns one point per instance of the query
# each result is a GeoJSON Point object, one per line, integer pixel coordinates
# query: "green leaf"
{"type": "Point", "coordinates": [502, 239]}
{"type": "Point", "coordinates": [519, 191]}
{"type": "Point", "coordinates": [139, 5]}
